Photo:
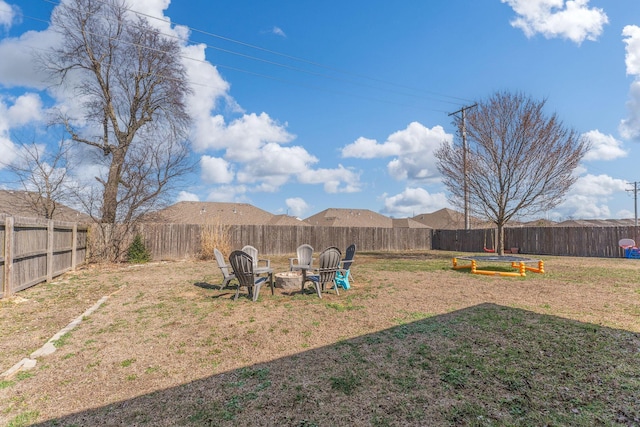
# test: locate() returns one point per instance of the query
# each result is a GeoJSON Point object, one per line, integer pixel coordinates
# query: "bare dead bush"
{"type": "Point", "coordinates": [109, 242]}
{"type": "Point", "coordinates": [214, 235]}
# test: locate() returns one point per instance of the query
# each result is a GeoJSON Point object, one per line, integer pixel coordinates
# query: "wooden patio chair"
{"type": "Point", "coordinates": [242, 265]}
{"type": "Point", "coordinates": [326, 273]}
{"type": "Point", "coordinates": [253, 252]}
{"type": "Point", "coordinates": [344, 273]}
{"type": "Point", "coordinates": [304, 260]}
{"type": "Point", "coordinates": [227, 276]}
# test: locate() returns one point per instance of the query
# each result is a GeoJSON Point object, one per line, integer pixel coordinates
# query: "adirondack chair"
{"type": "Point", "coordinates": [253, 252]}
{"type": "Point", "coordinates": [304, 260]}
{"type": "Point", "coordinates": [242, 265]}
{"type": "Point", "coordinates": [326, 273]}
{"type": "Point", "coordinates": [227, 276]}
{"type": "Point", "coordinates": [344, 273]}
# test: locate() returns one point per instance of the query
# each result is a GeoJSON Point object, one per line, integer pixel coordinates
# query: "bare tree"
{"type": "Point", "coordinates": [43, 175]}
{"type": "Point", "coordinates": [519, 160]}
{"type": "Point", "coordinates": [131, 85]}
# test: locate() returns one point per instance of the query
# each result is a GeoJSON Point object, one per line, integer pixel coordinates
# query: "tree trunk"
{"type": "Point", "coordinates": [110, 196]}
{"type": "Point", "coordinates": [500, 240]}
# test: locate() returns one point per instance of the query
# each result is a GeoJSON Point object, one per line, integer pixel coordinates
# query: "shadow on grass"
{"type": "Point", "coordinates": [205, 285]}
{"type": "Point", "coordinates": [484, 365]}
{"type": "Point", "coordinates": [231, 288]}
{"type": "Point", "coordinates": [307, 290]}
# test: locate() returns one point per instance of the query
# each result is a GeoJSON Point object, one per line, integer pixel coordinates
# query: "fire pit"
{"type": "Point", "coordinates": [288, 281]}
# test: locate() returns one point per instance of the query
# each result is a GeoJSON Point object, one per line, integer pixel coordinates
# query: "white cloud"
{"type": "Point", "coordinates": [16, 112]}
{"type": "Point", "coordinates": [254, 145]}
{"type": "Point", "coordinates": [278, 32]}
{"type": "Point", "coordinates": [25, 109]}
{"type": "Point", "coordinates": [215, 170]}
{"type": "Point", "coordinates": [8, 151]}
{"type": "Point", "coordinates": [603, 147]}
{"type": "Point", "coordinates": [582, 206]}
{"type": "Point", "coordinates": [8, 14]}
{"type": "Point", "coordinates": [185, 196]}
{"type": "Point", "coordinates": [365, 148]}
{"type": "Point", "coordinates": [632, 57]}
{"type": "Point", "coordinates": [273, 165]}
{"type": "Point", "coordinates": [340, 180]}
{"type": "Point", "coordinates": [17, 67]}
{"type": "Point", "coordinates": [630, 127]}
{"type": "Point", "coordinates": [297, 206]}
{"type": "Point", "coordinates": [571, 19]}
{"type": "Point", "coordinates": [228, 193]}
{"type": "Point", "coordinates": [209, 89]}
{"type": "Point", "coordinates": [624, 213]}
{"type": "Point", "coordinates": [243, 137]}
{"type": "Point", "coordinates": [588, 197]}
{"type": "Point", "coordinates": [413, 201]}
{"type": "Point", "coordinates": [413, 147]}
{"type": "Point", "coordinates": [598, 185]}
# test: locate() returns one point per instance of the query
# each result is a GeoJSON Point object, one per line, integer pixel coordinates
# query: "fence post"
{"type": "Point", "coordinates": [49, 250]}
{"type": "Point", "coordinates": [74, 246]}
{"type": "Point", "coordinates": [8, 256]}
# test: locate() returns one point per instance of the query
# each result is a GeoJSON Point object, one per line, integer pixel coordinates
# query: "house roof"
{"type": "Point", "coordinates": [597, 223]}
{"type": "Point", "coordinates": [408, 223]}
{"type": "Point", "coordinates": [211, 213]}
{"type": "Point", "coordinates": [448, 219]}
{"type": "Point", "coordinates": [336, 217]}
{"type": "Point", "coordinates": [246, 214]}
{"type": "Point", "coordinates": [17, 203]}
{"type": "Point", "coordinates": [539, 223]}
{"type": "Point", "coordinates": [287, 220]}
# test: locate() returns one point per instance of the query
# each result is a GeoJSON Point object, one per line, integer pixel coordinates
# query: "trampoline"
{"type": "Point", "coordinates": [519, 263]}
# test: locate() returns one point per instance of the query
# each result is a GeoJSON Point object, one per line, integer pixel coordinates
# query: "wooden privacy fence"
{"type": "Point", "coordinates": [176, 241]}
{"type": "Point", "coordinates": [34, 251]}
{"type": "Point", "coordinates": [567, 241]}
{"type": "Point", "coordinates": [180, 241]}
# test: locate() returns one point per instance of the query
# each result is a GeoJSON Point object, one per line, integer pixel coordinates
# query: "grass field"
{"type": "Point", "coordinates": [413, 342]}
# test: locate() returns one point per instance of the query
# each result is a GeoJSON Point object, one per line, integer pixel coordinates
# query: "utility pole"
{"type": "Point", "coordinates": [635, 200]}
{"type": "Point", "coordinates": [463, 130]}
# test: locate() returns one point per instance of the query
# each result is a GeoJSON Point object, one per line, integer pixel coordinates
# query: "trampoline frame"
{"type": "Point", "coordinates": [518, 263]}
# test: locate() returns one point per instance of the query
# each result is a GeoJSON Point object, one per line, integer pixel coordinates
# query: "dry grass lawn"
{"type": "Point", "coordinates": [412, 343]}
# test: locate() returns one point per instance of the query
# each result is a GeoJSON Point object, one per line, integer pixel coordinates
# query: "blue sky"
{"type": "Point", "coordinates": [301, 106]}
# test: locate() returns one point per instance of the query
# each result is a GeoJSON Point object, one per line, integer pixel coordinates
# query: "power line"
{"type": "Point", "coordinates": [284, 55]}
{"type": "Point", "coordinates": [249, 72]}
{"type": "Point", "coordinates": [293, 68]}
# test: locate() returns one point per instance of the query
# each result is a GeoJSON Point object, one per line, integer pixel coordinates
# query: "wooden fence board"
{"type": "Point", "coordinates": [178, 241]}
{"type": "Point", "coordinates": [562, 241]}
{"type": "Point", "coordinates": [36, 250]}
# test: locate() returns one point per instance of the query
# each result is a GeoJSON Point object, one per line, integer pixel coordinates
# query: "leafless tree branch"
{"type": "Point", "coordinates": [519, 160]}
{"type": "Point", "coordinates": [132, 85]}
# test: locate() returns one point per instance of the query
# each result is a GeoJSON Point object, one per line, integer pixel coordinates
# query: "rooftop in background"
{"type": "Point", "coordinates": [17, 203]}
{"type": "Point", "coordinates": [246, 214]}
{"type": "Point", "coordinates": [539, 223]}
{"type": "Point", "coordinates": [448, 219]}
{"type": "Point", "coordinates": [287, 220]}
{"type": "Point", "coordinates": [334, 217]}
{"type": "Point", "coordinates": [596, 223]}
{"type": "Point", "coordinates": [407, 223]}
{"type": "Point", "coordinates": [218, 213]}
